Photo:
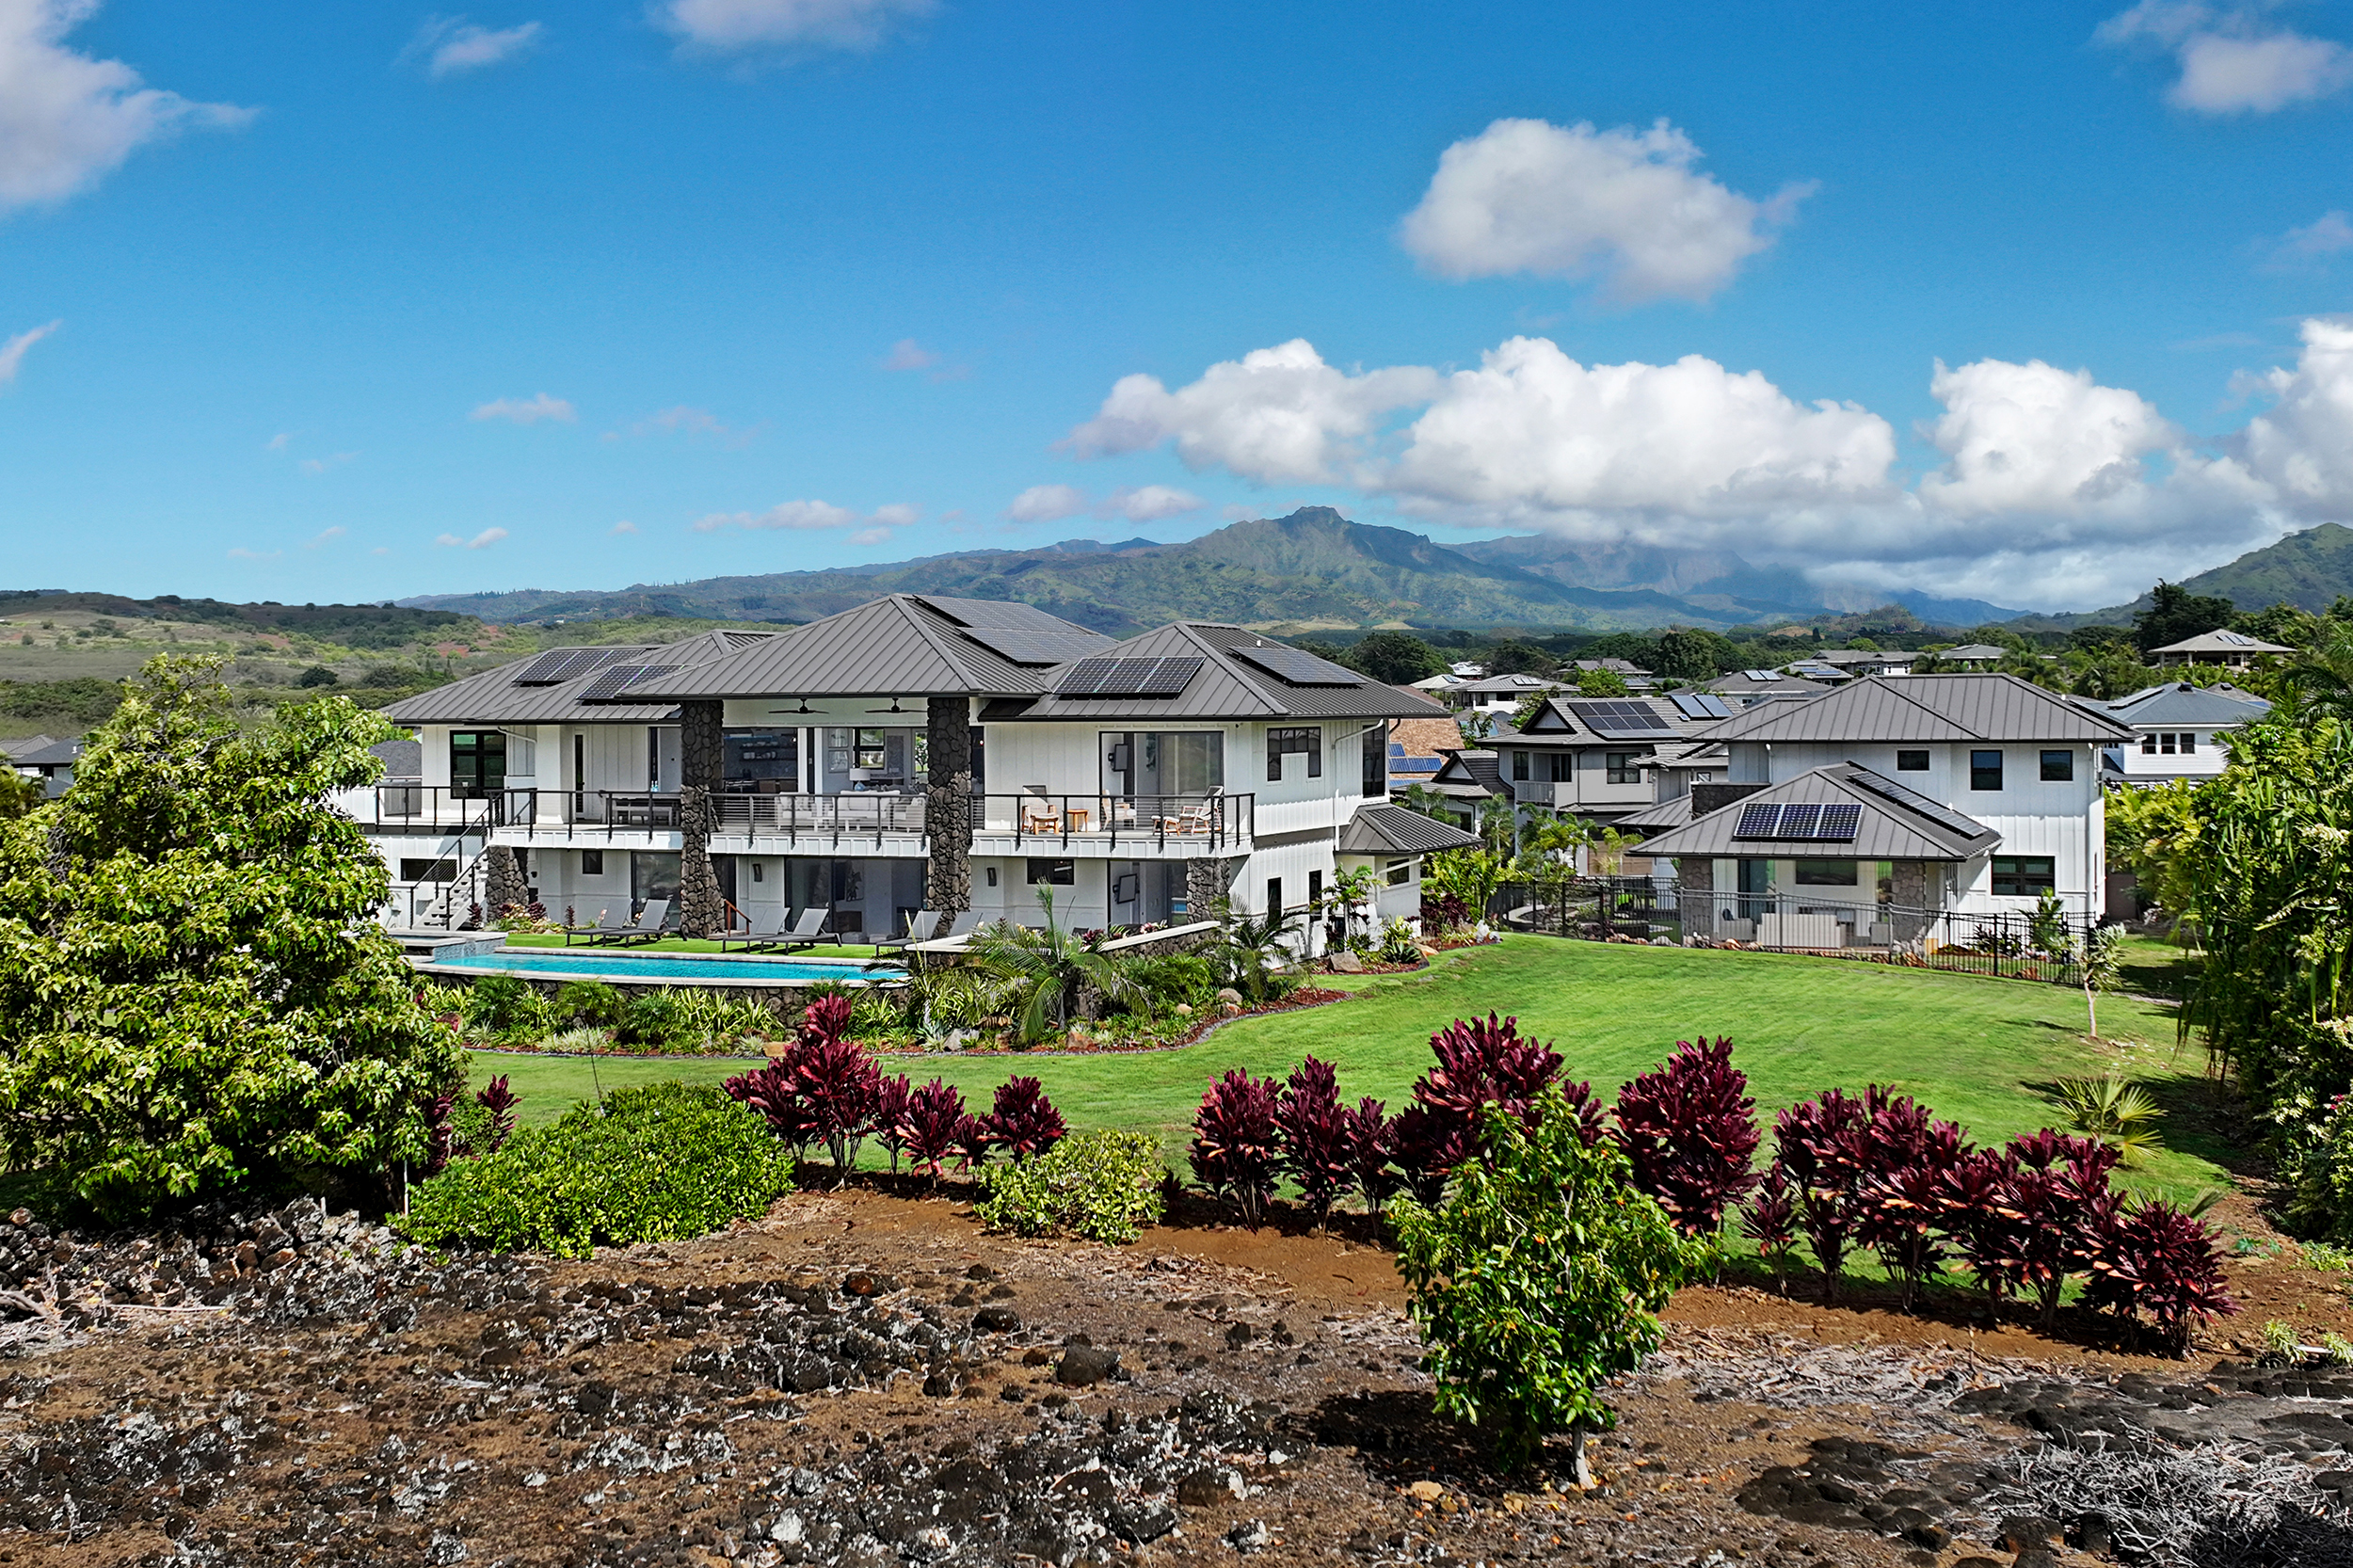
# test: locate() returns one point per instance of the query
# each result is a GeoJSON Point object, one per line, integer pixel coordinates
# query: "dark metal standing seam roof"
{"type": "Point", "coordinates": [2178, 704]}
{"type": "Point", "coordinates": [901, 645]}
{"type": "Point", "coordinates": [1924, 708]}
{"type": "Point", "coordinates": [1227, 686]}
{"type": "Point", "coordinates": [492, 697]}
{"type": "Point", "coordinates": [1395, 830]}
{"type": "Point", "coordinates": [1894, 822]}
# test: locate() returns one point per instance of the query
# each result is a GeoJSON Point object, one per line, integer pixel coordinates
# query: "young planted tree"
{"type": "Point", "coordinates": [1538, 1280]}
{"type": "Point", "coordinates": [2101, 959]}
{"type": "Point", "coordinates": [1815, 1146]}
{"type": "Point", "coordinates": [194, 995]}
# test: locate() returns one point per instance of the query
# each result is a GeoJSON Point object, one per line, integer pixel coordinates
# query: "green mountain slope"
{"type": "Point", "coordinates": [1312, 569]}
{"type": "Point", "coordinates": [2308, 570]}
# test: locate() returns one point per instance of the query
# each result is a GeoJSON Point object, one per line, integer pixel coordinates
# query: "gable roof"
{"type": "Point", "coordinates": [517, 692]}
{"type": "Point", "coordinates": [1924, 707]}
{"type": "Point", "coordinates": [1587, 720]}
{"type": "Point", "coordinates": [1975, 650]}
{"type": "Point", "coordinates": [1395, 830]}
{"type": "Point", "coordinates": [1238, 674]}
{"type": "Point", "coordinates": [1892, 822]}
{"type": "Point", "coordinates": [1470, 773]}
{"type": "Point", "coordinates": [1518, 684]}
{"type": "Point", "coordinates": [42, 751]}
{"type": "Point", "coordinates": [2222, 642]}
{"type": "Point", "coordinates": [2179, 702]}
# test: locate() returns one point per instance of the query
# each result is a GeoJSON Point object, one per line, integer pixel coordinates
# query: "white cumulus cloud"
{"type": "Point", "coordinates": [527, 411]}
{"type": "Point", "coordinates": [450, 45]}
{"type": "Point", "coordinates": [812, 516]}
{"type": "Point", "coordinates": [483, 540]}
{"type": "Point", "coordinates": [624, 526]}
{"type": "Point", "coordinates": [2302, 448]}
{"type": "Point", "coordinates": [2232, 59]}
{"type": "Point", "coordinates": [733, 26]}
{"type": "Point", "coordinates": [1046, 504]}
{"type": "Point", "coordinates": [12, 352]}
{"type": "Point", "coordinates": [66, 119]}
{"type": "Point", "coordinates": [1149, 504]}
{"type": "Point", "coordinates": [2033, 438]}
{"type": "Point", "coordinates": [1570, 202]}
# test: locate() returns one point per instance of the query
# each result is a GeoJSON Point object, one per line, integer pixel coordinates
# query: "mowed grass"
{"type": "Point", "coordinates": [1981, 1051]}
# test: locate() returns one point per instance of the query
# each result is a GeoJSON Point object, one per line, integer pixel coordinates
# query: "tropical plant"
{"type": "Point", "coordinates": [961, 996]}
{"type": "Point", "coordinates": [1969, 1197]}
{"type": "Point", "coordinates": [823, 1089]}
{"type": "Point", "coordinates": [1904, 1155]}
{"type": "Point", "coordinates": [2154, 1261]}
{"type": "Point", "coordinates": [891, 1095]}
{"type": "Point", "coordinates": [1103, 1186]}
{"type": "Point", "coordinates": [2116, 1110]}
{"type": "Point", "coordinates": [1539, 1280]}
{"type": "Point", "coordinates": [2319, 678]}
{"type": "Point", "coordinates": [1023, 1121]}
{"type": "Point", "coordinates": [931, 1123]}
{"type": "Point", "coordinates": [1319, 1148]}
{"type": "Point", "coordinates": [1469, 876]}
{"type": "Point", "coordinates": [590, 1003]}
{"type": "Point", "coordinates": [195, 998]}
{"type": "Point", "coordinates": [1688, 1131]}
{"type": "Point", "coordinates": [1816, 1151]}
{"type": "Point", "coordinates": [19, 796]}
{"type": "Point", "coordinates": [1370, 1144]}
{"type": "Point", "coordinates": [1442, 912]}
{"type": "Point", "coordinates": [2056, 1201]}
{"type": "Point", "coordinates": [2100, 961]}
{"type": "Point", "coordinates": [1398, 945]}
{"type": "Point", "coordinates": [654, 1018]}
{"type": "Point", "coordinates": [1050, 974]}
{"type": "Point", "coordinates": [1251, 949]}
{"type": "Point", "coordinates": [1237, 1143]}
{"type": "Point", "coordinates": [501, 1004]}
{"type": "Point", "coordinates": [1352, 893]}
{"type": "Point", "coordinates": [2047, 927]}
{"type": "Point", "coordinates": [1769, 1220]}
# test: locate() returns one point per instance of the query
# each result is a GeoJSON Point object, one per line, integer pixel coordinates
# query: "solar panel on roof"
{"type": "Point", "coordinates": [1757, 821]}
{"type": "Point", "coordinates": [1618, 720]}
{"type": "Point", "coordinates": [619, 677]}
{"type": "Point", "coordinates": [1839, 824]}
{"type": "Point", "coordinates": [1889, 789]}
{"type": "Point", "coordinates": [1700, 705]}
{"type": "Point", "coordinates": [1299, 667]}
{"type": "Point", "coordinates": [1799, 820]}
{"type": "Point", "coordinates": [570, 664]}
{"type": "Point", "coordinates": [1128, 677]}
{"type": "Point", "coordinates": [1025, 647]}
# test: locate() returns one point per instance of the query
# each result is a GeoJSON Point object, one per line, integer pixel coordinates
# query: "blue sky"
{"type": "Point", "coordinates": [786, 284]}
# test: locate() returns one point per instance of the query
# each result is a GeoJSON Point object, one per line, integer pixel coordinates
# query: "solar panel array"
{"type": "Point", "coordinates": [1806, 821]}
{"type": "Point", "coordinates": [1700, 705]}
{"type": "Point", "coordinates": [1164, 677]}
{"type": "Point", "coordinates": [1298, 666]}
{"type": "Point", "coordinates": [570, 664]}
{"type": "Point", "coordinates": [1911, 800]}
{"type": "Point", "coordinates": [1025, 647]}
{"type": "Point", "coordinates": [617, 678]}
{"type": "Point", "coordinates": [1616, 720]}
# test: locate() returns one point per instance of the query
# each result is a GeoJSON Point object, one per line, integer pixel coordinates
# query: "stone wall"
{"type": "Point", "coordinates": [1696, 896]}
{"type": "Point", "coordinates": [1913, 884]}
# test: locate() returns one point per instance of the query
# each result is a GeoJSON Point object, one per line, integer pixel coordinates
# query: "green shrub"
{"type": "Point", "coordinates": [502, 1004]}
{"type": "Point", "coordinates": [654, 1164]}
{"type": "Point", "coordinates": [1539, 1279]}
{"type": "Point", "coordinates": [654, 1018]}
{"type": "Point", "coordinates": [1397, 943]}
{"type": "Point", "coordinates": [591, 1001]}
{"type": "Point", "coordinates": [877, 1011]}
{"type": "Point", "coordinates": [1104, 1186]}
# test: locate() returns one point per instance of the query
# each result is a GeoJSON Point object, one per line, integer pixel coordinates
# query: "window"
{"type": "Point", "coordinates": [1826, 873]}
{"type": "Point", "coordinates": [2148, 744]}
{"type": "Point", "coordinates": [1519, 767]}
{"type": "Point", "coordinates": [1054, 873]}
{"type": "Point", "coordinates": [2058, 767]}
{"type": "Point", "coordinates": [2024, 876]}
{"type": "Point", "coordinates": [1621, 766]}
{"type": "Point", "coordinates": [2164, 742]}
{"type": "Point", "coordinates": [870, 750]}
{"type": "Point", "coordinates": [1281, 742]}
{"type": "Point", "coordinates": [1985, 770]}
{"type": "Point", "coordinates": [592, 862]}
{"type": "Point", "coordinates": [1274, 896]}
{"type": "Point", "coordinates": [1373, 751]}
{"type": "Point", "coordinates": [1911, 762]}
{"type": "Point", "coordinates": [1556, 766]}
{"type": "Point", "coordinates": [477, 763]}
{"type": "Point", "coordinates": [752, 757]}
{"type": "Point", "coordinates": [428, 871]}
{"type": "Point", "coordinates": [1315, 889]}
{"type": "Point", "coordinates": [2189, 742]}
{"type": "Point", "coordinates": [1399, 874]}
{"type": "Point", "coordinates": [759, 872]}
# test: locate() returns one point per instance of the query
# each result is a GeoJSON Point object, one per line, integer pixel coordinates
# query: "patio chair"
{"type": "Point", "coordinates": [1196, 819]}
{"type": "Point", "coordinates": [806, 931]}
{"type": "Point", "coordinates": [921, 925]}
{"type": "Point", "coordinates": [607, 925]}
{"type": "Point", "coordinates": [966, 922]}
{"type": "Point", "coordinates": [758, 936]}
{"type": "Point", "coordinates": [648, 929]}
{"type": "Point", "coordinates": [1038, 814]}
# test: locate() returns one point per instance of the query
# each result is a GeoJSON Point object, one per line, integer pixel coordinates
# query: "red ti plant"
{"type": "Point", "coordinates": [1814, 1145]}
{"type": "Point", "coordinates": [436, 1133]}
{"type": "Point", "coordinates": [769, 1090]}
{"type": "Point", "coordinates": [1024, 1121]}
{"type": "Point", "coordinates": [1968, 1199]}
{"type": "Point", "coordinates": [2155, 1259]}
{"type": "Point", "coordinates": [1372, 1142]}
{"type": "Point", "coordinates": [1905, 1154]}
{"type": "Point", "coordinates": [1485, 1062]}
{"type": "Point", "coordinates": [1318, 1151]}
{"type": "Point", "coordinates": [1689, 1131]}
{"type": "Point", "coordinates": [1237, 1143]}
{"type": "Point", "coordinates": [1770, 1219]}
{"type": "Point", "coordinates": [1427, 1145]}
{"type": "Point", "coordinates": [890, 1113]}
{"type": "Point", "coordinates": [930, 1124]}
{"type": "Point", "coordinates": [974, 1138]}
{"type": "Point", "coordinates": [841, 1087]}
{"type": "Point", "coordinates": [2055, 1204]}
{"type": "Point", "coordinates": [500, 1101]}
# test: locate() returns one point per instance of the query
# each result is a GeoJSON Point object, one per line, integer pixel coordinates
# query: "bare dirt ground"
{"type": "Point", "coordinates": [866, 1378]}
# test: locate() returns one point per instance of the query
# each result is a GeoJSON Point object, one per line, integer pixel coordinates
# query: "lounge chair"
{"type": "Point", "coordinates": [922, 926]}
{"type": "Point", "coordinates": [783, 930]}
{"type": "Point", "coordinates": [648, 929]}
{"type": "Point", "coordinates": [964, 924]}
{"type": "Point", "coordinates": [608, 924]}
{"type": "Point", "coordinates": [1195, 820]}
{"type": "Point", "coordinates": [807, 930]}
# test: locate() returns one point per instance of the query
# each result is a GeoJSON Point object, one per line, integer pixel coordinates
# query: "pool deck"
{"type": "Point", "coordinates": [760, 974]}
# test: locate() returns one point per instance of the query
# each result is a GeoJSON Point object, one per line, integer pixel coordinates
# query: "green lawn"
{"type": "Point", "coordinates": [1982, 1051]}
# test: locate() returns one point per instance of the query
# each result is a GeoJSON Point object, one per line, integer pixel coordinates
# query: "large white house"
{"type": "Point", "coordinates": [2178, 729]}
{"type": "Point", "coordinates": [915, 752]}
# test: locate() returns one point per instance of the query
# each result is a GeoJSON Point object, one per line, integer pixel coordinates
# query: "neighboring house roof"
{"type": "Point", "coordinates": [1469, 774]}
{"type": "Point", "coordinates": [1813, 670]}
{"type": "Point", "coordinates": [1844, 657]}
{"type": "Point", "coordinates": [1972, 651]}
{"type": "Point", "coordinates": [403, 759]}
{"type": "Point", "coordinates": [2177, 704]}
{"type": "Point", "coordinates": [1424, 738]}
{"type": "Point", "coordinates": [42, 751]}
{"type": "Point", "coordinates": [1584, 720]}
{"type": "Point", "coordinates": [901, 644]}
{"type": "Point", "coordinates": [1519, 684]}
{"type": "Point", "coordinates": [1203, 670]}
{"type": "Point", "coordinates": [1747, 685]}
{"type": "Point", "coordinates": [572, 685]}
{"type": "Point", "coordinates": [2222, 642]}
{"type": "Point", "coordinates": [1616, 667]}
{"type": "Point", "coordinates": [1924, 707]}
{"type": "Point", "coordinates": [1888, 822]}
{"type": "Point", "coordinates": [1395, 830]}
{"type": "Point", "coordinates": [1666, 815]}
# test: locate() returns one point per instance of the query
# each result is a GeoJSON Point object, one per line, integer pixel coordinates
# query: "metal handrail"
{"type": "Point", "coordinates": [1216, 819]}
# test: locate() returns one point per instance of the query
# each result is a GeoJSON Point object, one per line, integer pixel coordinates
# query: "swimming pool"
{"type": "Point", "coordinates": [657, 968]}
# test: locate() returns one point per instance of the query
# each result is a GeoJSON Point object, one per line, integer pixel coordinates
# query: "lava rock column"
{"type": "Point", "coordinates": [502, 879]}
{"type": "Point", "coordinates": [701, 912]}
{"type": "Point", "coordinates": [947, 801]}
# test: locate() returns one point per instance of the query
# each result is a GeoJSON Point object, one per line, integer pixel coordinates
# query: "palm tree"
{"type": "Point", "coordinates": [1352, 891]}
{"type": "Point", "coordinates": [1047, 970]}
{"type": "Point", "coordinates": [1252, 948]}
{"type": "Point", "coordinates": [2320, 677]}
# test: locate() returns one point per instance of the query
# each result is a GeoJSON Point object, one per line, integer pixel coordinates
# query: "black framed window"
{"type": "Point", "coordinates": [1621, 766]}
{"type": "Point", "coordinates": [2024, 875]}
{"type": "Point", "coordinates": [428, 871]}
{"type": "Point", "coordinates": [2189, 742]}
{"type": "Point", "coordinates": [2058, 767]}
{"type": "Point", "coordinates": [2148, 744]}
{"type": "Point", "coordinates": [1374, 778]}
{"type": "Point", "coordinates": [477, 763]}
{"type": "Point", "coordinates": [592, 862]}
{"type": "Point", "coordinates": [1281, 742]}
{"type": "Point", "coordinates": [1985, 770]}
{"type": "Point", "coordinates": [1911, 762]}
{"type": "Point", "coordinates": [1054, 873]}
{"type": "Point", "coordinates": [1274, 896]}
{"type": "Point", "coordinates": [1826, 873]}
{"type": "Point", "coordinates": [1519, 767]}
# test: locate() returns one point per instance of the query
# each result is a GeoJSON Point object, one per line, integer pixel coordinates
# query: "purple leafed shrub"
{"type": "Point", "coordinates": [1237, 1143]}
{"type": "Point", "coordinates": [1770, 1219]}
{"type": "Point", "coordinates": [2055, 1203]}
{"type": "Point", "coordinates": [974, 1138]}
{"type": "Point", "coordinates": [1689, 1131]}
{"type": "Point", "coordinates": [436, 1133]}
{"type": "Point", "coordinates": [1905, 1153]}
{"type": "Point", "coordinates": [1485, 1062]}
{"type": "Point", "coordinates": [1318, 1152]}
{"type": "Point", "coordinates": [2155, 1260]}
{"type": "Point", "coordinates": [1427, 1145]}
{"type": "Point", "coordinates": [1814, 1147]}
{"type": "Point", "coordinates": [826, 1019]}
{"type": "Point", "coordinates": [1370, 1146]}
{"type": "Point", "coordinates": [769, 1091]}
{"type": "Point", "coordinates": [824, 1089]}
{"type": "Point", "coordinates": [890, 1114]}
{"type": "Point", "coordinates": [1024, 1122]}
{"type": "Point", "coordinates": [1968, 1199]}
{"type": "Point", "coordinates": [500, 1101]}
{"type": "Point", "coordinates": [931, 1124]}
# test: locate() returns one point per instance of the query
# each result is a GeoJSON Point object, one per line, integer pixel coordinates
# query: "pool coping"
{"type": "Point", "coordinates": [633, 975]}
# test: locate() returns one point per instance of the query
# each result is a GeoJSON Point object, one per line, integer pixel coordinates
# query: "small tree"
{"type": "Point", "coordinates": [1600, 683]}
{"type": "Point", "coordinates": [1538, 1280]}
{"type": "Point", "coordinates": [2100, 960]}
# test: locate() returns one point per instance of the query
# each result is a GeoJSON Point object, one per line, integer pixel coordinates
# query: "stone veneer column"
{"type": "Point", "coordinates": [1695, 895]}
{"type": "Point", "coordinates": [503, 883]}
{"type": "Point", "coordinates": [1206, 882]}
{"type": "Point", "coordinates": [947, 801]}
{"type": "Point", "coordinates": [700, 911]}
{"type": "Point", "coordinates": [1912, 886]}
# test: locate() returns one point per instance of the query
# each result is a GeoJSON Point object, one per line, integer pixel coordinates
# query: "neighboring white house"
{"type": "Point", "coordinates": [45, 758]}
{"type": "Point", "coordinates": [2179, 729]}
{"type": "Point", "coordinates": [915, 752]}
{"type": "Point", "coordinates": [1855, 660]}
{"type": "Point", "coordinates": [1500, 695]}
{"type": "Point", "coordinates": [1975, 655]}
{"type": "Point", "coordinates": [2013, 769]}
{"type": "Point", "coordinates": [1747, 688]}
{"type": "Point", "coordinates": [2235, 649]}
